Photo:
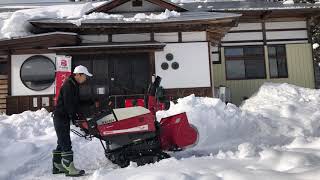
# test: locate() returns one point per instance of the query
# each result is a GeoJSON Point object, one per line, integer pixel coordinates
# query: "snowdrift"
{"type": "Point", "coordinates": [276, 114]}
{"type": "Point", "coordinates": [275, 132]}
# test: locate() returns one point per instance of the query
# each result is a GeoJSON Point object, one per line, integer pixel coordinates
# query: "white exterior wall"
{"type": "Point", "coordinates": [245, 36]}
{"type": "Point", "coordinates": [275, 33]}
{"type": "Point", "coordinates": [194, 36]}
{"type": "Point", "coordinates": [194, 69]}
{"type": "Point", "coordinates": [247, 26]}
{"type": "Point", "coordinates": [131, 37]}
{"type": "Point", "coordinates": [94, 38]}
{"type": "Point", "coordinates": [166, 37]}
{"type": "Point", "coordinates": [286, 25]}
{"type": "Point", "coordinates": [17, 87]}
{"type": "Point", "coordinates": [287, 34]}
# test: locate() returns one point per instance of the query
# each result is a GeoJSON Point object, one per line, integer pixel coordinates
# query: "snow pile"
{"type": "Point", "coordinates": [26, 142]}
{"type": "Point", "coordinates": [96, 16]}
{"type": "Point", "coordinates": [315, 45]}
{"type": "Point", "coordinates": [164, 15]}
{"type": "Point", "coordinates": [138, 17]}
{"type": "Point", "coordinates": [274, 135]}
{"type": "Point", "coordinates": [296, 109]}
{"type": "Point", "coordinates": [277, 114]}
{"type": "Point", "coordinates": [288, 2]}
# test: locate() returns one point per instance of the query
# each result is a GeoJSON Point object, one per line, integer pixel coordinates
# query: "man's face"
{"type": "Point", "coordinates": [81, 78]}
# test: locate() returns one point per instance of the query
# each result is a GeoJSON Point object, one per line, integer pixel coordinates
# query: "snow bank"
{"type": "Point", "coordinates": [274, 135]}
{"type": "Point", "coordinates": [296, 109]}
{"type": "Point", "coordinates": [26, 142]}
{"type": "Point", "coordinates": [277, 114]}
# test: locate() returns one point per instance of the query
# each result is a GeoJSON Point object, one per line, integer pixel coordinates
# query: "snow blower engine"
{"type": "Point", "coordinates": [134, 134]}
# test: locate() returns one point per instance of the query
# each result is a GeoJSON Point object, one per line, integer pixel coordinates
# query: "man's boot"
{"type": "Point", "coordinates": [67, 163]}
{"type": "Point", "coordinates": [57, 167]}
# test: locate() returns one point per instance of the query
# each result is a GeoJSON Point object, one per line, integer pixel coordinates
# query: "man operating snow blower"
{"type": "Point", "coordinates": [66, 112]}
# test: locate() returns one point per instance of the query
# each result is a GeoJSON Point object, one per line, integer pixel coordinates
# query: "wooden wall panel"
{"type": "Point", "coordinates": [3, 92]}
{"type": "Point", "coordinates": [18, 104]}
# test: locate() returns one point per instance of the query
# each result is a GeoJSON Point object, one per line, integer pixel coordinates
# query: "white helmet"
{"type": "Point", "coordinates": [81, 69]}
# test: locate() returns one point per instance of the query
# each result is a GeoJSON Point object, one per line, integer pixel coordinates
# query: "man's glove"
{"type": "Point", "coordinates": [74, 120]}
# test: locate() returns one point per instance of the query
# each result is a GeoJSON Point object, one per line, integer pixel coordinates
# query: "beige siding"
{"type": "Point", "coordinates": [300, 72]}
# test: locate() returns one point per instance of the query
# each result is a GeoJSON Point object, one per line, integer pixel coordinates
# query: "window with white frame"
{"type": "Point", "coordinates": [245, 62]}
{"type": "Point", "coordinates": [37, 72]}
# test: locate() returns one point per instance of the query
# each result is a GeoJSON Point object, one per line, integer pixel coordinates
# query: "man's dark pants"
{"type": "Point", "coordinates": [62, 127]}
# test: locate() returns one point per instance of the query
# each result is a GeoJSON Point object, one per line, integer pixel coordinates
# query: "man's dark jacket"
{"type": "Point", "coordinates": [68, 100]}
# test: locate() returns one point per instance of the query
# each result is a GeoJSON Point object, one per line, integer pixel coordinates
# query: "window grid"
{"type": "Point", "coordinates": [278, 56]}
{"type": "Point", "coordinates": [247, 57]}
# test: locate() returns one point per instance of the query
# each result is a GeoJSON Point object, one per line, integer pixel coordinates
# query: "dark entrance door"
{"type": "Point", "coordinates": [114, 74]}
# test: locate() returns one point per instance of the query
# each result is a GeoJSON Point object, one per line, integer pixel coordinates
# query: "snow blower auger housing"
{"type": "Point", "coordinates": [134, 134]}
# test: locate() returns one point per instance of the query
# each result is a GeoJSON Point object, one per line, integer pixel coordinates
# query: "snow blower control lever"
{"type": "Point", "coordinates": [134, 134]}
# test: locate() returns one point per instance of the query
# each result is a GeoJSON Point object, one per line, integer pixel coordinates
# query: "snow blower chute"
{"type": "Point", "coordinates": [134, 134]}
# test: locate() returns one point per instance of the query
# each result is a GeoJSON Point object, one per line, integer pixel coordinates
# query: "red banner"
{"type": "Point", "coordinates": [63, 71]}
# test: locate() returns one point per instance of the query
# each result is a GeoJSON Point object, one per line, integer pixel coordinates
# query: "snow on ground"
{"type": "Point", "coordinates": [273, 135]}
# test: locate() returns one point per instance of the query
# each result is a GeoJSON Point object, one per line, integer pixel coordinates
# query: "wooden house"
{"type": "Point", "coordinates": [239, 45]}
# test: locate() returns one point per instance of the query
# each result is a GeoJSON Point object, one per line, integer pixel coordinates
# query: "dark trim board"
{"type": "Point", "coordinates": [185, 23]}
{"type": "Point", "coordinates": [111, 48]}
{"type": "Point", "coordinates": [31, 51]}
{"type": "Point", "coordinates": [152, 64]}
{"type": "Point", "coordinates": [261, 41]}
{"type": "Point", "coordinates": [41, 41]}
{"type": "Point", "coordinates": [296, 39]}
{"type": "Point", "coordinates": [267, 30]}
{"type": "Point", "coordinates": [9, 74]}
{"type": "Point", "coordinates": [245, 41]}
{"type": "Point", "coordinates": [264, 33]}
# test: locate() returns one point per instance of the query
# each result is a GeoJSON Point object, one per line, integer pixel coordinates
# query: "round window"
{"type": "Point", "coordinates": [164, 66]}
{"type": "Point", "coordinates": [175, 65]}
{"type": "Point", "coordinates": [37, 73]}
{"type": "Point", "coordinates": [169, 56]}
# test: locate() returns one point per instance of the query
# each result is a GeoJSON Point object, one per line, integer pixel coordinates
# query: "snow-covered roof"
{"type": "Point", "coordinates": [16, 24]}
{"type": "Point", "coordinates": [131, 18]}
{"type": "Point", "coordinates": [166, 4]}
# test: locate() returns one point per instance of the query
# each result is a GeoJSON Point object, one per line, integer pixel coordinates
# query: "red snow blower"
{"type": "Point", "coordinates": [134, 134]}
